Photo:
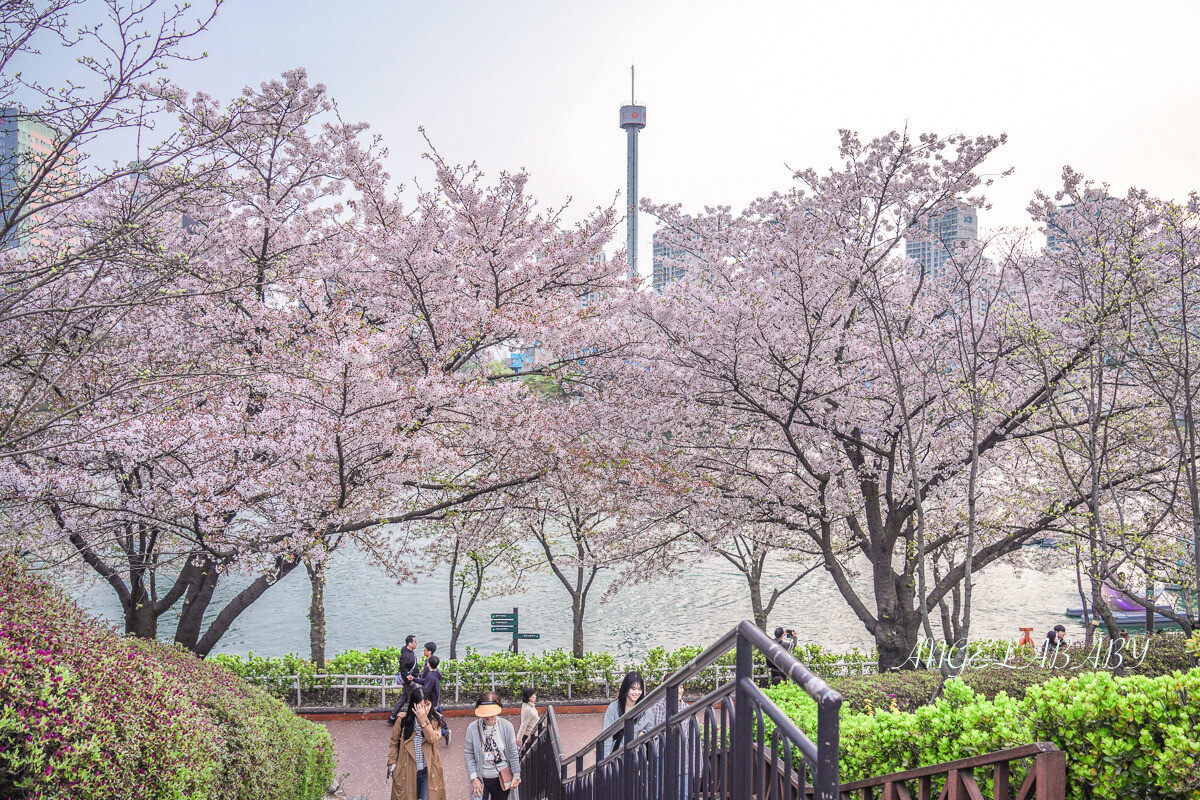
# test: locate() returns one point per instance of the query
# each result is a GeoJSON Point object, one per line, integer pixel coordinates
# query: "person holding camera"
{"type": "Point", "coordinates": [785, 638]}
{"type": "Point", "coordinates": [414, 763]}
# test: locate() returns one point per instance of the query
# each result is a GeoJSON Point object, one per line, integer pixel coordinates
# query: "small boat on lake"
{"type": "Point", "coordinates": [1130, 619]}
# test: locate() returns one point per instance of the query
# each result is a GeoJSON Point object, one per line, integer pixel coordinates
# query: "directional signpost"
{"type": "Point", "coordinates": [508, 623]}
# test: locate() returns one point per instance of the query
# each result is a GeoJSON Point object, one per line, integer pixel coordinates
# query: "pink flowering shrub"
{"type": "Point", "coordinates": [87, 713]}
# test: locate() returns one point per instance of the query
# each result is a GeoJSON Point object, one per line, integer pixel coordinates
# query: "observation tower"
{"type": "Point", "coordinates": [633, 119]}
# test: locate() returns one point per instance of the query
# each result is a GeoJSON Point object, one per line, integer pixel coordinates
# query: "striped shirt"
{"type": "Point", "coordinates": [419, 746]}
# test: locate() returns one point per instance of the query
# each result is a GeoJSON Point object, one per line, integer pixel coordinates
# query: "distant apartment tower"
{"type": "Point", "coordinates": [593, 297]}
{"type": "Point", "coordinates": [25, 143]}
{"type": "Point", "coordinates": [665, 258]}
{"type": "Point", "coordinates": [1071, 222]}
{"type": "Point", "coordinates": [670, 260]}
{"type": "Point", "coordinates": [1055, 235]}
{"type": "Point", "coordinates": [935, 236]}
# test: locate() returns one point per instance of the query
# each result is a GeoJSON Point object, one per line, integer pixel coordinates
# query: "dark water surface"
{"type": "Point", "coordinates": [364, 609]}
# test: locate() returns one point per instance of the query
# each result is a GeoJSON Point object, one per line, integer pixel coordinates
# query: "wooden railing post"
{"type": "Point", "coordinates": [628, 763]}
{"type": "Point", "coordinates": [671, 766]}
{"type": "Point", "coordinates": [1051, 769]}
{"type": "Point", "coordinates": [743, 724]}
{"type": "Point", "coordinates": [1001, 774]}
{"type": "Point", "coordinates": [825, 781]}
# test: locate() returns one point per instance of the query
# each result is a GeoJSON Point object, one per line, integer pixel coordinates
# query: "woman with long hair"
{"type": "Point", "coordinates": [414, 765]}
{"type": "Point", "coordinates": [632, 689]}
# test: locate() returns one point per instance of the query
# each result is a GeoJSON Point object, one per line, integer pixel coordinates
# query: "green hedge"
{"type": "Point", "coordinates": [86, 713]}
{"type": "Point", "coordinates": [596, 674]}
{"type": "Point", "coordinates": [551, 671]}
{"type": "Point", "coordinates": [1132, 737]}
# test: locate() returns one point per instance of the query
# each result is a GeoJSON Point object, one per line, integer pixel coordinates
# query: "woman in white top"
{"type": "Point", "coordinates": [529, 714]}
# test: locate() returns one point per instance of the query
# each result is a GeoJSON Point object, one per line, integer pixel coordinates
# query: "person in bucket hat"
{"type": "Point", "coordinates": [493, 762]}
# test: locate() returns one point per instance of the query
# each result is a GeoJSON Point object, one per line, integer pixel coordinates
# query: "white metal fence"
{"type": "Point", "coordinates": [709, 678]}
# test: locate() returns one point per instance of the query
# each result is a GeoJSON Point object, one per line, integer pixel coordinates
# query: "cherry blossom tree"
{"type": "Point", "coordinates": [778, 363]}
{"type": "Point", "coordinates": [351, 392]}
{"type": "Point", "coordinates": [66, 290]}
{"type": "Point", "coordinates": [479, 547]}
{"type": "Point", "coordinates": [1161, 537]}
{"type": "Point", "coordinates": [602, 501]}
{"type": "Point", "coordinates": [1097, 415]}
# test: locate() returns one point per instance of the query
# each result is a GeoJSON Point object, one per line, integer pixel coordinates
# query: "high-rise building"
{"type": "Point", "coordinates": [1056, 236]}
{"type": "Point", "coordinates": [666, 258]}
{"type": "Point", "coordinates": [1075, 222]}
{"type": "Point", "coordinates": [25, 143]}
{"type": "Point", "coordinates": [593, 297]}
{"type": "Point", "coordinates": [935, 236]}
{"type": "Point", "coordinates": [671, 260]}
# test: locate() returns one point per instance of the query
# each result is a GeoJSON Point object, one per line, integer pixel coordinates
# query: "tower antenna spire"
{"type": "Point", "coordinates": [633, 119]}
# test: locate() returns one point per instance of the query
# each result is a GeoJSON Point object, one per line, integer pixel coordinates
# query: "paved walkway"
{"type": "Point", "coordinates": [362, 746]}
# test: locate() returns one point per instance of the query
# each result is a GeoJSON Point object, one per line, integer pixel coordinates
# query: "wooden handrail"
{"type": "Point", "coordinates": [1046, 781]}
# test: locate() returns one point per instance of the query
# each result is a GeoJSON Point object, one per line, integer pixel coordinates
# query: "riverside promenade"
{"type": "Point", "coordinates": [361, 744]}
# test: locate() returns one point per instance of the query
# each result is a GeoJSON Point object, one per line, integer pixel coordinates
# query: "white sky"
{"type": "Point", "coordinates": [737, 92]}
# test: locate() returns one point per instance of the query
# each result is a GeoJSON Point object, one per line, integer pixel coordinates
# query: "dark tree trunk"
{"type": "Point", "coordinates": [896, 640]}
{"type": "Point", "coordinates": [578, 608]}
{"type": "Point", "coordinates": [756, 603]}
{"type": "Point", "coordinates": [316, 614]}
{"type": "Point", "coordinates": [141, 615]}
{"type": "Point", "coordinates": [231, 611]}
{"type": "Point", "coordinates": [750, 558]}
{"type": "Point", "coordinates": [196, 600]}
{"type": "Point", "coordinates": [199, 597]}
{"type": "Point", "coordinates": [584, 575]}
{"type": "Point", "coordinates": [465, 585]}
{"type": "Point", "coordinates": [579, 594]}
{"type": "Point", "coordinates": [898, 621]}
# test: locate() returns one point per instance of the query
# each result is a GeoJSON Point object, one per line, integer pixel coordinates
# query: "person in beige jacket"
{"type": "Point", "coordinates": [414, 764]}
{"type": "Point", "coordinates": [529, 715]}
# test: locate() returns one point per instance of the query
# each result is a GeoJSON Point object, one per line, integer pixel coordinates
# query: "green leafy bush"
{"type": "Point", "coordinates": [1127, 737]}
{"type": "Point", "coordinates": [558, 674]}
{"type": "Point", "coordinates": [86, 713]}
{"type": "Point", "coordinates": [1124, 737]}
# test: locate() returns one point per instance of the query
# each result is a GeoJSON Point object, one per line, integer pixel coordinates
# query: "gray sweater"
{"type": "Point", "coordinates": [645, 722]}
{"type": "Point", "coordinates": [473, 751]}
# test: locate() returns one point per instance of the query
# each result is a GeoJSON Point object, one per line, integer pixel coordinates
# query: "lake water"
{"type": "Point", "coordinates": [364, 608]}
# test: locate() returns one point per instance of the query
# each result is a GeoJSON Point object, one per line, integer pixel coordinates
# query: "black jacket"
{"type": "Point", "coordinates": [431, 681]}
{"type": "Point", "coordinates": [787, 643]}
{"type": "Point", "coordinates": [408, 663]}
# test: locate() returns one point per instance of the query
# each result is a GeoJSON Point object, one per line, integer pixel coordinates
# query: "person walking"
{"type": "Point", "coordinates": [430, 649]}
{"type": "Point", "coordinates": [405, 675]}
{"type": "Point", "coordinates": [632, 688]}
{"type": "Point", "coordinates": [490, 752]}
{"type": "Point", "coordinates": [529, 714]}
{"type": "Point", "coordinates": [414, 764]}
{"type": "Point", "coordinates": [431, 682]}
{"type": "Point", "coordinates": [689, 739]}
